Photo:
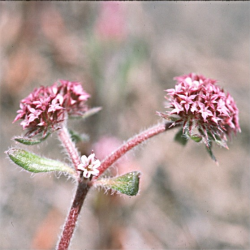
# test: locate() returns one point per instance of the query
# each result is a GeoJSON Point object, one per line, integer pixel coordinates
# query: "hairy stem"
{"type": "Point", "coordinates": [81, 191]}
{"type": "Point", "coordinates": [70, 224]}
{"type": "Point", "coordinates": [131, 143]}
{"type": "Point", "coordinates": [84, 186]}
{"type": "Point", "coordinates": [69, 146]}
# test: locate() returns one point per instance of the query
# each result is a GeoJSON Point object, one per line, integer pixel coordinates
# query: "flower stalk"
{"type": "Point", "coordinates": [64, 136]}
{"type": "Point", "coordinates": [136, 140]}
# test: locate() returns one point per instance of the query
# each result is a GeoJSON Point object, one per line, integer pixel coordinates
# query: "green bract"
{"type": "Point", "coordinates": [30, 141]}
{"type": "Point", "coordinates": [181, 138]}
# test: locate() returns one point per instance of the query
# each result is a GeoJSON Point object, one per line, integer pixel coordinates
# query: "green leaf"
{"type": "Point", "coordinates": [36, 164]}
{"type": "Point", "coordinates": [126, 184]}
{"type": "Point", "coordinates": [180, 138]}
{"type": "Point", "coordinates": [210, 152]}
{"type": "Point", "coordinates": [91, 112]}
{"type": "Point", "coordinates": [31, 141]}
{"type": "Point", "coordinates": [76, 137]}
{"type": "Point", "coordinates": [88, 113]}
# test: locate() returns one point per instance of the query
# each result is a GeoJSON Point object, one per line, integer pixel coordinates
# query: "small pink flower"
{"type": "Point", "coordinates": [198, 103]}
{"type": "Point", "coordinates": [46, 108]}
{"type": "Point", "coordinates": [89, 165]}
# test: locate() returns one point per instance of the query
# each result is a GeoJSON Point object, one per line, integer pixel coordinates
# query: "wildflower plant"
{"type": "Point", "coordinates": [202, 110]}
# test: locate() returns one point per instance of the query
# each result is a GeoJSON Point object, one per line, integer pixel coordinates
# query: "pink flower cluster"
{"type": "Point", "coordinates": [46, 108]}
{"type": "Point", "coordinates": [198, 103]}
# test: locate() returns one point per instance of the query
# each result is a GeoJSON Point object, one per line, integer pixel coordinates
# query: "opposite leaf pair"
{"type": "Point", "coordinates": [126, 184]}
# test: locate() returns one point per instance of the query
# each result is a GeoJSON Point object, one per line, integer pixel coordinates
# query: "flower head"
{"type": "Point", "coordinates": [201, 106]}
{"type": "Point", "coordinates": [89, 165]}
{"type": "Point", "coordinates": [46, 108]}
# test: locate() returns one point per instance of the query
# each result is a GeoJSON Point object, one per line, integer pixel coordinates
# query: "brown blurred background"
{"type": "Point", "coordinates": [126, 54]}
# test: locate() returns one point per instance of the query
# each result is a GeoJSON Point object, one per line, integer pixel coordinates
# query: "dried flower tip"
{"type": "Point", "coordinates": [89, 165]}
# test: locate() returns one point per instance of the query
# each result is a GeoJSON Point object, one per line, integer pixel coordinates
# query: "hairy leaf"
{"type": "Point", "coordinates": [36, 164]}
{"type": "Point", "coordinates": [126, 184]}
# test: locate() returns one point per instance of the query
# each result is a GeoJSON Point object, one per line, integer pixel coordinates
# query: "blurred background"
{"type": "Point", "coordinates": [126, 54]}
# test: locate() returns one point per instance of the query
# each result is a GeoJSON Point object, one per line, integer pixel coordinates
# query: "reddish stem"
{"type": "Point", "coordinates": [69, 146]}
{"type": "Point", "coordinates": [136, 140]}
{"type": "Point", "coordinates": [68, 230]}
{"type": "Point", "coordinates": [83, 186]}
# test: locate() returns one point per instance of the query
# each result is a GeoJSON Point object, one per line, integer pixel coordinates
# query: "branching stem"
{"type": "Point", "coordinates": [84, 185]}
